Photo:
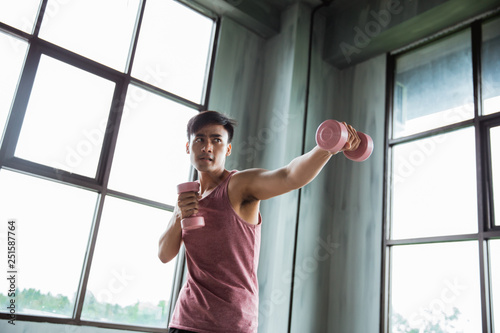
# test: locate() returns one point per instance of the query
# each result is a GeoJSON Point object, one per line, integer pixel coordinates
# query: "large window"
{"type": "Point", "coordinates": [443, 228]}
{"type": "Point", "coordinates": [94, 101]}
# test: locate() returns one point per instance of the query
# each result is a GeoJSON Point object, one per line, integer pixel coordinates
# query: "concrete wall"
{"type": "Point", "coordinates": [338, 265]}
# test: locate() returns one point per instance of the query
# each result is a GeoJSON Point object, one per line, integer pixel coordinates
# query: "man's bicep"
{"type": "Point", "coordinates": [264, 184]}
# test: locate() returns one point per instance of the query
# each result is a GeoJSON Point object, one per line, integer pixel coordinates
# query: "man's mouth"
{"type": "Point", "coordinates": [205, 158]}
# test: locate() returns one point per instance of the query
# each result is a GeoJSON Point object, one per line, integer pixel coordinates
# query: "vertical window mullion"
{"type": "Point", "coordinates": [39, 18]}
{"type": "Point", "coordinates": [20, 103]}
{"type": "Point", "coordinates": [135, 38]}
{"type": "Point", "coordinates": [481, 172]}
{"type": "Point", "coordinates": [385, 271]}
{"type": "Point", "coordinates": [208, 77]}
{"type": "Point", "coordinates": [87, 263]}
{"type": "Point", "coordinates": [111, 133]}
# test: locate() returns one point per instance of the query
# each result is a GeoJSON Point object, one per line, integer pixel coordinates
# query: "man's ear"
{"type": "Point", "coordinates": [187, 147]}
{"type": "Point", "coordinates": [229, 147]}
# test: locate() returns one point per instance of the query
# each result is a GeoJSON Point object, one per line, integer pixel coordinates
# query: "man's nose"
{"type": "Point", "coordinates": [207, 148]}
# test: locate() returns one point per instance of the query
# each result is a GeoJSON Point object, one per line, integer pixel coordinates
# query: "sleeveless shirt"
{"type": "Point", "coordinates": [221, 293]}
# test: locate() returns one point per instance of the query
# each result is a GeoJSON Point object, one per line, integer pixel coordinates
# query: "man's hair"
{"type": "Point", "coordinates": [209, 118]}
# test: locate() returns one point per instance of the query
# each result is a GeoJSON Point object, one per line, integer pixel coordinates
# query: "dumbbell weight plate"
{"type": "Point", "coordinates": [331, 135]}
{"type": "Point", "coordinates": [364, 150]}
{"type": "Point", "coordinates": [192, 222]}
{"type": "Point", "coordinates": [188, 187]}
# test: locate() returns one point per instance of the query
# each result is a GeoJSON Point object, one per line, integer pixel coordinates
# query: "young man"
{"type": "Point", "coordinates": [221, 292]}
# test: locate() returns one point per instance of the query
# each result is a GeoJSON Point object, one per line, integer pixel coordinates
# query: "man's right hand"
{"type": "Point", "coordinates": [187, 204]}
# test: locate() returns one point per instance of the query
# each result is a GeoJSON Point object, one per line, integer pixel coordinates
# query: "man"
{"type": "Point", "coordinates": [221, 292]}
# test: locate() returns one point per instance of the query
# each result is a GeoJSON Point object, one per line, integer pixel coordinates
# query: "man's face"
{"type": "Point", "coordinates": [208, 148]}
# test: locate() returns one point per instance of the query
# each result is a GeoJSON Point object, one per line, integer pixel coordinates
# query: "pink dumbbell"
{"type": "Point", "coordinates": [332, 135]}
{"type": "Point", "coordinates": [194, 221]}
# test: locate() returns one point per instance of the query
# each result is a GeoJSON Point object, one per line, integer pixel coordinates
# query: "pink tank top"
{"type": "Point", "coordinates": [221, 293]}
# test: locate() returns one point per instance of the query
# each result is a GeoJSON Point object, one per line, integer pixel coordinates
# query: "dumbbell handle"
{"type": "Point", "coordinates": [194, 221]}
{"type": "Point", "coordinates": [332, 135]}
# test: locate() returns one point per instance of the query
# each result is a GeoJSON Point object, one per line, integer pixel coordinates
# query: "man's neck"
{"type": "Point", "coordinates": [210, 180]}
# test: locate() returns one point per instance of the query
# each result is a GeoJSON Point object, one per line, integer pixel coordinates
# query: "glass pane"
{"type": "Point", "coordinates": [99, 30]}
{"type": "Point", "coordinates": [434, 186]}
{"type": "Point", "coordinates": [491, 67]}
{"type": "Point", "coordinates": [53, 226]}
{"type": "Point", "coordinates": [435, 288]}
{"type": "Point", "coordinates": [150, 157]}
{"type": "Point", "coordinates": [128, 284]}
{"type": "Point", "coordinates": [433, 86]}
{"type": "Point", "coordinates": [495, 282]}
{"type": "Point", "coordinates": [63, 127]}
{"type": "Point", "coordinates": [173, 49]}
{"type": "Point", "coordinates": [495, 166]}
{"type": "Point", "coordinates": [12, 54]}
{"type": "Point", "coordinates": [19, 14]}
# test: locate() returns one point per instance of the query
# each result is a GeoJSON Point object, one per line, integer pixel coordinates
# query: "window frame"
{"type": "Point", "coordinates": [38, 47]}
{"type": "Point", "coordinates": [481, 123]}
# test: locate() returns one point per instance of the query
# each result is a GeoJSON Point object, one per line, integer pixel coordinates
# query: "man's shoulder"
{"type": "Point", "coordinates": [241, 182]}
{"type": "Point", "coordinates": [246, 175]}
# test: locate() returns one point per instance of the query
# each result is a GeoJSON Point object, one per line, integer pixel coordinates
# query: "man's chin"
{"type": "Point", "coordinates": [205, 167]}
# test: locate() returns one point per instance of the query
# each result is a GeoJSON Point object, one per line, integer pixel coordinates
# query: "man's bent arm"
{"type": "Point", "coordinates": [171, 240]}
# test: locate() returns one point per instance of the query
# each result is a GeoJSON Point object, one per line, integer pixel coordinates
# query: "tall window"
{"type": "Point", "coordinates": [442, 240]}
{"type": "Point", "coordinates": [94, 101]}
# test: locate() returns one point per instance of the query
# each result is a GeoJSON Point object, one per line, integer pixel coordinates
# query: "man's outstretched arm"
{"type": "Point", "coordinates": [263, 184]}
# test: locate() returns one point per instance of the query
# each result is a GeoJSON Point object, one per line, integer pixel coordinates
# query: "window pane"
{"type": "Point", "coordinates": [495, 166]}
{"type": "Point", "coordinates": [491, 67]}
{"type": "Point", "coordinates": [495, 281]}
{"type": "Point", "coordinates": [150, 157]}
{"type": "Point", "coordinates": [173, 49]}
{"type": "Point", "coordinates": [12, 54]}
{"type": "Point", "coordinates": [434, 86]}
{"type": "Point", "coordinates": [66, 118]}
{"type": "Point", "coordinates": [128, 283]}
{"type": "Point", "coordinates": [435, 288]}
{"type": "Point", "coordinates": [434, 186]}
{"type": "Point", "coordinates": [19, 14]}
{"type": "Point", "coordinates": [99, 30]}
{"type": "Point", "coordinates": [53, 226]}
